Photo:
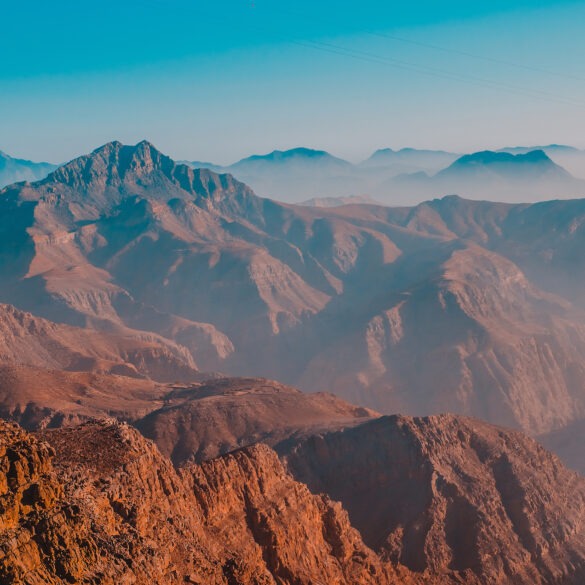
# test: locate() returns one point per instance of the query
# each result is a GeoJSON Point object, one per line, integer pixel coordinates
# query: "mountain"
{"type": "Point", "coordinates": [569, 157]}
{"type": "Point", "coordinates": [294, 156]}
{"type": "Point", "coordinates": [14, 170]}
{"type": "Point", "coordinates": [98, 503]}
{"type": "Point", "coordinates": [502, 176]}
{"type": "Point", "coordinates": [457, 501]}
{"type": "Point", "coordinates": [410, 160]}
{"type": "Point", "coordinates": [451, 305]}
{"type": "Point", "coordinates": [447, 494]}
{"type": "Point", "coordinates": [338, 201]}
{"type": "Point", "coordinates": [535, 165]}
{"type": "Point", "coordinates": [223, 415]}
{"type": "Point", "coordinates": [296, 174]}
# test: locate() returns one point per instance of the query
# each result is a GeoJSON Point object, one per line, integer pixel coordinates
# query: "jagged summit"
{"type": "Point", "coordinates": [114, 172]}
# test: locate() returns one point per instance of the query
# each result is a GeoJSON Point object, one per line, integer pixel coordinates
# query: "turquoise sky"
{"type": "Point", "coordinates": [224, 79]}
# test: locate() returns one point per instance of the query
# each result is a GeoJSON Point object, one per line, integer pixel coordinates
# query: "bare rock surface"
{"type": "Point", "coordinates": [98, 504]}
{"type": "Point", "coordinates": [447, 493]}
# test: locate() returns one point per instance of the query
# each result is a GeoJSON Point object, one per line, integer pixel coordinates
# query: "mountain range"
{"type": "Point", "coordinates": [410, 176]}
{"type": "Point", "coordinates": [391, 177]}
{"type": "Point", "coordinates": [145, 309]}
{"type": "Point", "coordinates": [451, 305]}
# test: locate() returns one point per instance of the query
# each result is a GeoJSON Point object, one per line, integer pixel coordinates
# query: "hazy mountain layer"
{"type": "Point", "coordinates": [14, 170]}
{"type": "Point", "coordinates": [409, 176]}
{"type": "Point", "coordinates": [452, 305]}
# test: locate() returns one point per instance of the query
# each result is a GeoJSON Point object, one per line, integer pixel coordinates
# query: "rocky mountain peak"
{"type": "Point", "coordinates": [102, 179]}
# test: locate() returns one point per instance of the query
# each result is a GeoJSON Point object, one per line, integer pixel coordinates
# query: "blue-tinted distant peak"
{"type": "Point", "coordinates": [300, 154]}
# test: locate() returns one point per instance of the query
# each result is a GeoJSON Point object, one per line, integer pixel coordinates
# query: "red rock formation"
{"type": "Point", "coordinates": [112, 511]}
{"type": "Point", "coordinates": [446, 494]}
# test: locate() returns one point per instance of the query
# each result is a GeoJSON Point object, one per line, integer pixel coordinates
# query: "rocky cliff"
{"type": "Point", "coordinates": [99, 504]}
{"type": "Point", "coordinates": [445, 494]}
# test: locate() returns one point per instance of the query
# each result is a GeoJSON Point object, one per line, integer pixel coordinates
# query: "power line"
{"type": "Point", "coordinates": [442, 48]}
{"type": "Point", "coordinates": [435, 72]}
{"type": "Point", "coordinates": [397, 63]}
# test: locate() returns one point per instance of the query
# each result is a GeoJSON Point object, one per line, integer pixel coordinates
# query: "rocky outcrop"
{"type": "Point", "coordinates": [430, 501]}
{"type": "Point", "coordinates": [110, 509]}
{"type": "Point", "coordinates": [446, 494]}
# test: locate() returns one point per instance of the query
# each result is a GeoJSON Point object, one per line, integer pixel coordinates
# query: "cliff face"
{"type": "Point", "coordinates": [430, 501]}
{"type": "Point", "coordinates": [99, 504]}
{"type": "Point", "coordinates": [446, 493]}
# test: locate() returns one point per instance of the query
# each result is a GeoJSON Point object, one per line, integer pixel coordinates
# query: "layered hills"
{"type": "Point", "coordinates": [451, 305]}
{"type": "Point", "coordinates": [409, 176]}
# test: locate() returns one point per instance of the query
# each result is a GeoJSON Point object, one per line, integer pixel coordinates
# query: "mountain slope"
{"type": "Point", "coordinates": [195, 421]}
{"type": "Point", "coordinates": [444, 493]}
{"type": "Point", "coordinates": [226, 414]}
{"type": "Point", "coordinates": [100, 504]}
{"type": "Point", "coordinates": [30, 340]}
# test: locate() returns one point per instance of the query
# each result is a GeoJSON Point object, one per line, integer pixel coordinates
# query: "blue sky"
{"type": "Point", "coordinates": [224, 79]}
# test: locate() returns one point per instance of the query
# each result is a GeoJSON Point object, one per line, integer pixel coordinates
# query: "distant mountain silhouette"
{"type": "Point", "coordinates": [410, 160]}
{"type": "Point", "coordinates": [409, 176]}
{"type": "Point", "coordinates": [13, 170]}
{"type": "Point", "coordinates": [569, 157]}
{"type": "Point", "coordinates": [297, 155]}
{"type": "Point", "coordinates": [532, 166]}
{"type": "Point", "coordinates": [548, 149]}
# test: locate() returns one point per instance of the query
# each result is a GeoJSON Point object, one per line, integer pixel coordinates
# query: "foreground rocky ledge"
{"type": "Point", "coordinates": [99, 504]}
{"type": "Point", "coordinates": [450, 500]}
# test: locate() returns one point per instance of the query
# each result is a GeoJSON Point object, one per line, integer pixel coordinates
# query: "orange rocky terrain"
{"type": "Point", "coordinates": [99, 504]}
{"type": "Point", "coordinates": [441, 500]}
{"type": "Point", "coordinates": [196, 421]}
{"type": "Point", "coordinates": [446, 493]}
